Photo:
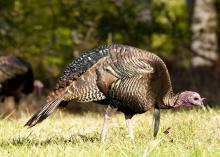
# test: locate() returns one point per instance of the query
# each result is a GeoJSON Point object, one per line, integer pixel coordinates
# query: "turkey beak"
{"type": "Point", "coordinates": [202, 99]}
{"type": "Point", "coordinates": [202, 104]}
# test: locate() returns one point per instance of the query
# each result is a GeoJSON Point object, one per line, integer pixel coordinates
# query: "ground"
{"type": "Point", "coordinates": [192, 133]}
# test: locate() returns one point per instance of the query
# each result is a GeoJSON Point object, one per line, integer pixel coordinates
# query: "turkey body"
{"type": "Point", "coordinates": [16, 76]}
{"type": "Point", "coordinates": [133, 79]}
{"type": "Point", "coordinates": [123, 77]}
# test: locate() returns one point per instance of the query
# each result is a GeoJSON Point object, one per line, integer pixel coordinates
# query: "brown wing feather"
{"type": "Point", "coordinates": [83, 88]}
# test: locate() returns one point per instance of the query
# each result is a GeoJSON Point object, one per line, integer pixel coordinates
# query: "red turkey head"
{"type": "Point", "coordinates": [189, 98]}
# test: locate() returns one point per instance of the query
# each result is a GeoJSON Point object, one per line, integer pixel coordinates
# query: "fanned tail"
{"type": "Point", "coordinates": [44, 112]}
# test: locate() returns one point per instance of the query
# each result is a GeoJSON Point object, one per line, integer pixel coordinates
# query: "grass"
{"type": "Point", "coordinates": [194, 133]}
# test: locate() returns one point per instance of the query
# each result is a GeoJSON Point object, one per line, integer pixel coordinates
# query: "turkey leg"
{"type": "Point", "coordinates": [156, 120]}
{"type": "Point", "coordinates": [130, 127]}
{"type": "Point", "coordinates": [105, 127]}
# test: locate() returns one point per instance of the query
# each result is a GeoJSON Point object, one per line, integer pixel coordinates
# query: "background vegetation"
{"type": "Point", "coordinates": [52, 33]}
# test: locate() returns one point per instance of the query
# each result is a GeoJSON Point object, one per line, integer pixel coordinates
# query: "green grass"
{"type": "Point", "coordinates": [194, 133]}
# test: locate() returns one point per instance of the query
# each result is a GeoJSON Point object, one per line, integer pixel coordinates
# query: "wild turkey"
{"type": "Point", "coordinates": [16, 77]}
{"type": "Point", "coordinates": [123, 77]}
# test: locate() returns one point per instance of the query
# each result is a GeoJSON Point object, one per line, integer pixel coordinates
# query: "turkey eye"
{"type": "Point", "coordinates": [196, 98]}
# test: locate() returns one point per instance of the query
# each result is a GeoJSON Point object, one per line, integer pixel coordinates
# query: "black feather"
{"type": "Point", "coordinates": [44, 112]}
{"type": "Point", "coordinates": [81, 64]}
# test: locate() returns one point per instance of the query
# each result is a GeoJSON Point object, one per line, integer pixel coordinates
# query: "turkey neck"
{"type": "Point", "coordinates": [170, 101]}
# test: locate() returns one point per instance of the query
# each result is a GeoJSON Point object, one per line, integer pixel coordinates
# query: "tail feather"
{"type": "Point", "coordinates": [44, 112]}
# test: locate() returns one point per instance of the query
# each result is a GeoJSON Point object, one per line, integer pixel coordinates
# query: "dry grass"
{"type": "Point", "coordinates": [192, 133]}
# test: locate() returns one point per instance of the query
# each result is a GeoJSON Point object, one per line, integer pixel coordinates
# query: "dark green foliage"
{"type": "Point", "coordinates": [51, 33]}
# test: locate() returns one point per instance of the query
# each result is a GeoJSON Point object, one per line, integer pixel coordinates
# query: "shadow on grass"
{"type": "Point", "coordinates": [27, 141]}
